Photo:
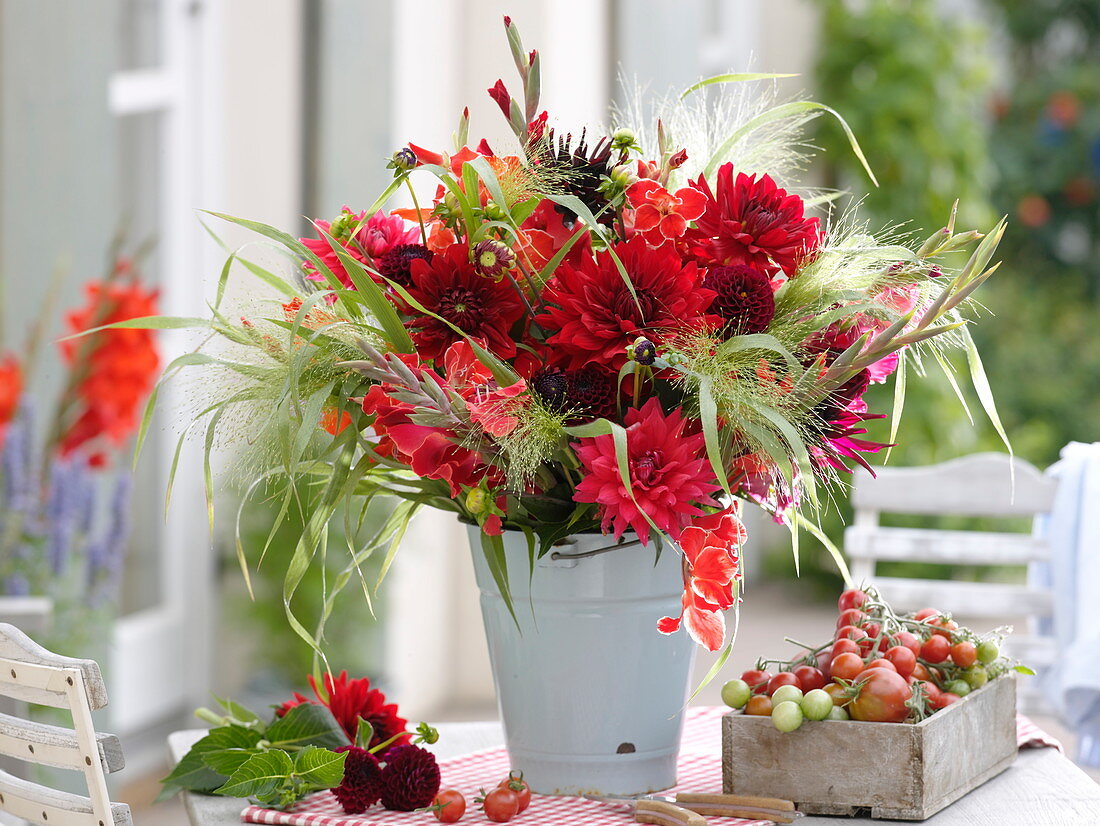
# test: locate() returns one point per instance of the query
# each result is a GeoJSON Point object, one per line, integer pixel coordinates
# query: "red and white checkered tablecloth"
{"type": "Point", "coordinates": [700, 770]}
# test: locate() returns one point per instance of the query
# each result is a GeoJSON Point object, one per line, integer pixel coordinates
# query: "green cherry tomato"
{"type": "Point", "coordinates": [790, 693]}
{"type": "Point", "coordinates": [988, 651]}
{"type": "Point", "coordinates": [787, 716]}
{"type": "Point", "coordinates": [837, 713]}
{"type": "Point", "coordinates": [960, 687]}
{"type": "Point", "coordinates": [817, 704]}
{"type": "Point", "coordinates": [976, 676]}
{"type": "Point", "coordinates": [736, 693]}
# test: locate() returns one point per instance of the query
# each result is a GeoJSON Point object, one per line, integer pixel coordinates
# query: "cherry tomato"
{"type": "Point", "coordinates": [881, 663]}
{"type": "Point", "coordinates": [909, 640]}
{"type": "Point", "coordinates": [925, 613]}
{"type": "Point", "coordinates": [943, 626]}
{"type": "Point", "coordinates": [849, 632]}
{"type": "Point", "coordinates": [838, 692]}
{"type": "Point", "coordinates": [853, 616]}
{"type": "Point", "coordinates": [501, 805]}
{"type": "Point", "coordinates": [846, 667]}
{"type": "Point", "coordinates": [882, 697]}
{"type": "Point", "coordinates": [824, 660]}
{"type": "Point", "coordinates": [903, 659]}
{"type": "Point", "coordinates": [449, 806]}
{"type": "Point", "coordinates": [935, 649]}
{"type": "Point", "coordinates": [964, 654]}
{"type": "Point", "coordinates": [782, 678]}
{"type": "Point", "coordinates": [757, 679]}
{"type": "Point", "coordinates": [944, 699]}
{"type": "Point", "coordinates": [844, 646]}
{"type": "Point", "coordinates": [809, 678]}
{"type": "Point", "coordinates": [759, 706]}
{"type": "Point", "coordinates": [988, 651]}
{"type": "Point", "coordinates": [976, 677]}
{"type": "Point", "coordinates": [853, 598]}
{"type": "Point", "coordinates": [930, 689]}
{"type": "Point", "coordinates": [921, 673]}
{"type": "Point", "coordinates": [516, 783]}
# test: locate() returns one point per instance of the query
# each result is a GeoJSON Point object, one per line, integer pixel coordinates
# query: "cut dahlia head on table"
{"type": "Point", "coordinates": [581, 330]}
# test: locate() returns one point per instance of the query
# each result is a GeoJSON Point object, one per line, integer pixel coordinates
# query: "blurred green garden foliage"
{"type": "Point", "coordinates": [1001, 109]}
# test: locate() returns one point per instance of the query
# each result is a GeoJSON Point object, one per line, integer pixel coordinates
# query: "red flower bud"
{"type": "Point", "coordinates": [500, 94]}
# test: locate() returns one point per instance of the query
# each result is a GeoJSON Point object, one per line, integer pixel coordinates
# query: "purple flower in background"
{"type": "Point", "coordinates": [17, 585]}
{"type": "Point", "coordinates": [16, 462]}
{"type": "Point", "coordinates": [107, 552]}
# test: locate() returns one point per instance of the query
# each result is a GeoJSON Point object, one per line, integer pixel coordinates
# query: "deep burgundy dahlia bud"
{"type": "Point", "coordinates": [492, 258]}
{"type": "Point", "coordinates": [551, 387]}
{"type": "Point", "coordinates": [361, 787]}
{"type": "Point", "coordinates": [745, 298]}
{"type": "Point", "coordinates": [396, 263]}
{"type": "Point", "coordinates": [410, 779]}
{"type": "Point", "coordinates": [403, 159]}
{"type": "Point", "coordinates": [644, 351]}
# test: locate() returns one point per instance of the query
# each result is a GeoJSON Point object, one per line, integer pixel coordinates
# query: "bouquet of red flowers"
{"type": "Point", "coordinates": [625, 331]}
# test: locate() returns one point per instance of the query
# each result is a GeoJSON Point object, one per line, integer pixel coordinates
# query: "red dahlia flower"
{"type": "Point", "coordinates": [659, 215]}
{"type": "Point", "coordinates": [669, 474]}
{"type": "Point", "coordinates": [752, 221]}
{"type": "Point", "coordinates": [482, 308]}
{"type": "Point", "coordinates": [121, 365]}
{"type": "Point", "coordinates": [493, 407]}
{"type": "Point", "coordinates": [595, 316]}
{"type": "Point", "coordinates": [361, 787]}
{"type": "Point", "coordinates": [712, 565]}
{"type": "Point", "coordinates": [348, 700]}
{"type": "Point", "coordinates": [410, 778]}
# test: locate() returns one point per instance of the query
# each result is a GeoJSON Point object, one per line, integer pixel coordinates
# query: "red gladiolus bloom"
{"type": "Point", "coordinates": [544, 233]}
{"type": "Point", "coordinates": [596, 317]}
{"type": "Point", "coordinates": [752, 221]}
{"type": "Point", "coordinates": [711, 546]}
{"type": "Point", "coordinates": [121, 367]}
{"type": "Point", "coordinates": [659, 215]}
{"type": "Point", "coordinates": [11, 388]}
{"type": "Point", "coordinates": [348, 700]}
{"type": "Point", "coordinates": [493, 407]}
{"type": "Point", "coordinates": [449, 286]}
{"type": "Point", "coordinates": [669, 474]}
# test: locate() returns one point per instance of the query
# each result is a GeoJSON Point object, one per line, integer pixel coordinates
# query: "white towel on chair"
{"type": "Point", "coordinates": [1073, 530]}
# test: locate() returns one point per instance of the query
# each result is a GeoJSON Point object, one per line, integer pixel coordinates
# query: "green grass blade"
{"type": "Point", "coordinates": [733, 77]}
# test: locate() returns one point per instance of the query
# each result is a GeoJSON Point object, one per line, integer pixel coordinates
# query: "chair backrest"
{"type": "Point", "coordinates": [30, 673]}
{"type": "Point", "coordinates": [981, 485]}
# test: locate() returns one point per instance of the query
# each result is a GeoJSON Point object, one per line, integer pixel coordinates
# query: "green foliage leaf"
{"type": "Point", "coordinates": [259, 776]}
{"type": "Point", "coordinates": [320, 767]}
{"type": "Point", "coordinates": [307, 724]}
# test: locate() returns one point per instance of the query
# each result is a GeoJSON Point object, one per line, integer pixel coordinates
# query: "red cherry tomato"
{"type": "Point", "coordinates": [838, 692]}
{"type": "Point", "coordinates": [935, 649]}
{"type": "Point", "coordinates": [843, 646]}
{"type": "Point", "coordinates": [846, 667]}
{"type": "Point", "coordinates": [853, 598]}
{"type": "Point", "coordinates": [925, 613]}
{"type": "Point", "coordinates": [903, 659]}
{"type": "Point", "coordinates": [449, 806]}
{"type": "Point", "coordinates": [853, 616]}
{"type": "Point", "coordinates": [921, 673]}
{"type": "Point", "coordinates": [944, 699]}
{"type": "Point", "coordinates": [881, 663]}
{"type": "Point", "coordinates": [501, 805]}
{"type": "Point", "coordinates": [759, 705]}
{"type": "Point", "coordinates": [809, 677]}
{"type": "Point", "coordinates": [944, 627]}
{"type": "Point", "coordinates": [882, 697]}
{"type": "Point", "coordinates": [964, 654]}
{"type": "Point", "coordinates": [849, 632]}
{"type": "Point", "coordinates": [757, 679]}
{"type": "Point", "coordinates": [824, 660]}
{"type": "Point", "coordinates": [782, 678]}
{"type": "Point", "coordinates": [516, 783]}
{"type": "Point", "coordinates": [909, 640]}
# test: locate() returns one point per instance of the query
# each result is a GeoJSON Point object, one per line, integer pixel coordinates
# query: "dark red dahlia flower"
{"type": "Point", "coordinates": [361, 787]}
{"type": "Point", "coordinates": [752, 221]}
{"type": "Point", "coordinates": [669, 474]}
{"type": "Point", "coordinates": [410, 778]}
{"type": "Point", "coordinates": [587, 393]}
{"type": "Point", "coordinates": [596, 318]}
{"type": "Point", "coordinates": [449, 286]}
{"type": "Point", "coordinates": [396, 263]}
{"type": "Point", "coordinates": [744, 298]}
{"type": "Point", "coordinates": [348, 700]}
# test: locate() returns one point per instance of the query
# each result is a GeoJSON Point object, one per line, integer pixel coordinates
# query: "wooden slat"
{"type": "Point", "coordinates": [971, 599]}
{"type": "Point", "coordinates": [15, 645]}
{"type": "Point", "coordinates": [55, 746]}
{"type": "Point", "coordinates": [978, 485]}
{"type": "Point", "coordinates": [49, 807]}
{"type": "Point", "coordinates": [949, 547]}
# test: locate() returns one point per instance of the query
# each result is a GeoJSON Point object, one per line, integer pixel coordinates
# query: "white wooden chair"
{"type": "Point", "coordinates": [980, 485]}
{"type": "Point", "coordinates": [32, 674]}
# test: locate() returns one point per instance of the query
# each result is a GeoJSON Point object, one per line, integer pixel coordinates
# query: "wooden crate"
{"type": "Point", "coordinates": [896, 771]}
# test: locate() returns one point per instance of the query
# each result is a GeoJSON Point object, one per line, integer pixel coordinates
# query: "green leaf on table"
{"type": "Point", "coordinates": [307, 725]}
{"type": "Point", "coordinates": [259, 776]}
{"type": "Point", "coordinates": [226, 761]}
{"type": "Point", "coordinates": [320, 767]}
{"type": "Point", "coordinates": [193, 773]}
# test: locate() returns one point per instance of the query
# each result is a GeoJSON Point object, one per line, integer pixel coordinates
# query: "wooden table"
{"type": "Point", "coordinates": [1043, 788]}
